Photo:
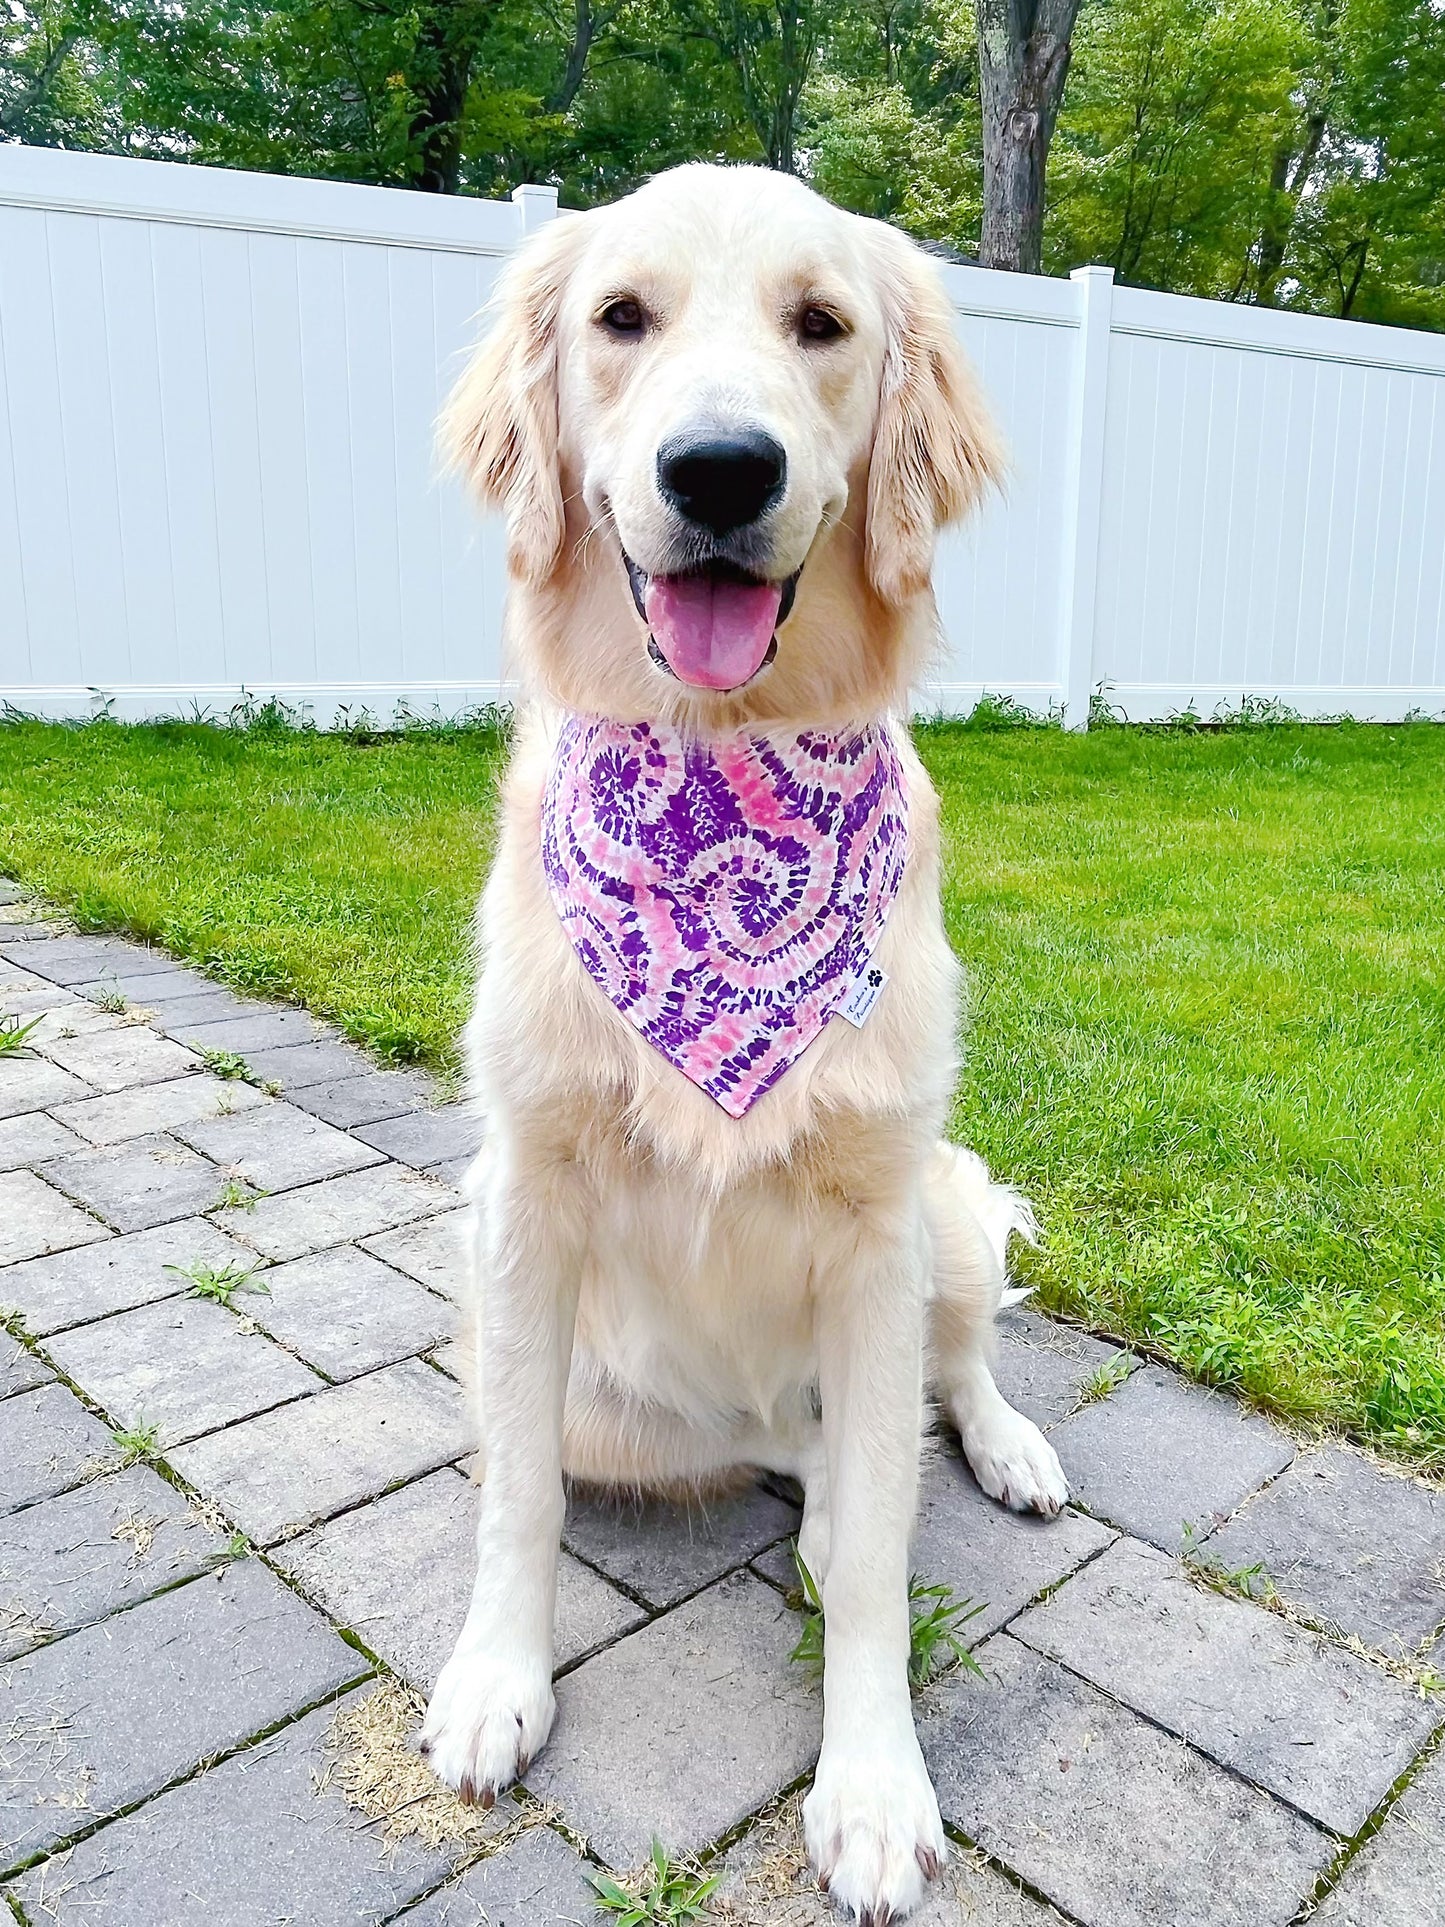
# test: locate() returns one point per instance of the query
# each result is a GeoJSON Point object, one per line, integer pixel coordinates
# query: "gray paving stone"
{"type": "Point", "coordinates": [1350, 1544]}
{"type": "Point", "coordinates": [294, 1066]}
{"type": "Point", "coordinates": [37, 929]}
{"type": "Point", "coordinates": [79, 960]}
{"type": "Point", "coordinates": [34, 1084]}
{"type": "Point", "coordinates": [184, 1366]}
{"type": "Point", "coordinates": [246, 1034]}
{"type": "Point", "coordinates": [259, 1841]}
{"type": "Point", "coordinates": [539, 1881]}
{"type": "Point", "coordinates": [1042, 1366]}
{"type": "Point", "coordinates": [683, 1728]}
{"type": "Point", "coordinates": [452, 1172]}
{"type": "Point", "coordinates": [1162, 1458]}
{"type": "Point", "coordinates": [99, 1719]}
{"type": "Point", "coordinates": [1397, 1879]}
{"type": "Point", "coordinates": [662, 1552]}
{"type": "Point", "coordinates": [345, 1313]}
{"type": "Point", "coordinates": [11, 891]}
{"type": "Point", "coordinates": [368, 1098]}
{"type": "Point", "coordinates": [431, 1250]}
{"type": "Point", "coordinates": [115, 1119]}
{"type": "Point", "coordinates": [72, 1560]}
{"type": "Point", "coordinates": [178, 1018]}
{"type": "Point", "coordinates": [48, 1443]}
{"type": "Point", "coordinates": [1324, 1730]}
{"type": "Point", "coordinates": [287, 1469]}
{"type": "Point", "coordinates": [963, 1539]}
{"type": "Point", "coordinates": [20, 1371]}
{"type": "Point", "coordinates": [75, 1286]}
{"type": "Point", "coordinates": [149, 987]}
{"type": "Point", "coordinates": [32, 1137]}
{"type": "Point", "coordinates": [1116, 1823]}
{"type": "Point", "coordinates": [766, 1882]}
{"type": "Point", "coordinates": [113, 1060]}
{"type": "Point", "coordinates": [63, 1015]}
{"type": "Point", "coordinates": [36, 1219]}
{"type": "Point", "coordinates": [145, 1182]}
{"type": "Point", "coordinates": [338, 1211]}
{"type": "Point", "coordinates": [425, 1138]}
{"type": "Point", "coordinates": [398, 1573]}
{"type": "Point", "coordinates": [277, 1148]}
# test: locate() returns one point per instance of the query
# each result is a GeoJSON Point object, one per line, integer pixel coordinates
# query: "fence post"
{"type": "Point", "coordinates": [535, 206]}
{"type": "Point", "coordinates": [1084, 492]}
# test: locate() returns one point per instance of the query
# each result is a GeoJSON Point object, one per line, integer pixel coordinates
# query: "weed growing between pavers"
{"type": "Point", "coordinates": [15, 1036]}
{"type": "Point", "coordinates": [372, 1762]}
{"type": "Point", "coordinates": [220, 1283]}
{"type": "Point", "coordinates": [664, 1893]}
{"type": "Point", "coordinates": [935, 1615]}
{"type": "Point", "coordinates": [139, 1441]}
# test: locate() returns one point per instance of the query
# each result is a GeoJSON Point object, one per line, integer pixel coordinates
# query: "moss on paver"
{"type": "Point", "coordinates": [1207, 969]}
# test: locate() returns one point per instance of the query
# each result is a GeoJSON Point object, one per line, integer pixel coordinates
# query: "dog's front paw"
{"type": "Point", "coordinates": [872, 1830]}
{"type": "Point", "coordinates": [1014, 1463]}
{"type": "Point", "coordinates": [486, 1719]}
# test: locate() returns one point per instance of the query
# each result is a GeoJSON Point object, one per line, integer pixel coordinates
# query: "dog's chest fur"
{"type": "Point", "coordinates": [703, 1226]}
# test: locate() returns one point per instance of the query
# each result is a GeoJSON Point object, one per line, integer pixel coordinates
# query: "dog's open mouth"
{"type": "Point", "coordinates": [714, 627]}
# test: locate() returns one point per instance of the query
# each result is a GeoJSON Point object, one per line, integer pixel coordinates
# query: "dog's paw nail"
{"type": "Point", "coordinates": [487, 1798]}
{"type": "Point", "coordinates": [466, 1790]}
{"type": "Point", "coordinates": [929, 1864]}
{"type": "Point", "coordinates": [524, 1760]}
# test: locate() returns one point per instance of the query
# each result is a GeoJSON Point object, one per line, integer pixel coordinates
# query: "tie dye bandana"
{"type": "Point", "coordinates": [725, 895]}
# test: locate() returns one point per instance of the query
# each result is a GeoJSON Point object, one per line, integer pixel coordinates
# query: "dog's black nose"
{"type": "Point", "coordinates": [724, 482]}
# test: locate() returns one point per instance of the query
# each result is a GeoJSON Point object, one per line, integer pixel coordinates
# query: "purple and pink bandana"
{"type": "Point", "coordinates": [725, 895]}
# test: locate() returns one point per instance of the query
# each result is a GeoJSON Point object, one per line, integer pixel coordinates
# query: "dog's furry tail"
{"type": "Point", "coordinates": [999, 1210]}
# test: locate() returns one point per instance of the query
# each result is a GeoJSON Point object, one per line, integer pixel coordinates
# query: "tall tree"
{"type": "Point", "coordinates": [1023, 61]}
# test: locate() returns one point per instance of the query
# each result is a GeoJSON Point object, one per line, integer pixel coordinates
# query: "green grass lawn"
{"type": "Point", "coordinates": [1208, 975]}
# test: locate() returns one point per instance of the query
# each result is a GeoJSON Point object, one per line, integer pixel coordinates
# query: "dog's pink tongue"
{"type": "Point", "coordinates": [713, 634]}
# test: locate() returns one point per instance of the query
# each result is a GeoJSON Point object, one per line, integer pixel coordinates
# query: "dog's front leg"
{"type": "Point", "coordinates": [492, 1706]}
{"type": "Point", "coordinates": [871, 1821]}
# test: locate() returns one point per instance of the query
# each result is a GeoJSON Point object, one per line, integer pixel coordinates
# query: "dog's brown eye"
{"type": "Point", "coordinates": [623, 318]}
{"type": "Point", "coordinates": [817, 324]}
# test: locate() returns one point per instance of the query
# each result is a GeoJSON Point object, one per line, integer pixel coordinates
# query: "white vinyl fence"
{"type": "Point", "coordinates": [216, 474]}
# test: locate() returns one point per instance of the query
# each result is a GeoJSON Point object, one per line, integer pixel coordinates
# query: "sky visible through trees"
{"type": "Point", "coordinates": [1289, 153]}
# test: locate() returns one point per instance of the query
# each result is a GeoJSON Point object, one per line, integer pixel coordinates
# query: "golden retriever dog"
{"type": "Point", "coordinates": [724, 421]}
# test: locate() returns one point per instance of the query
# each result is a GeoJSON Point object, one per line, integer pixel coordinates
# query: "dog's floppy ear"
{"type": "Point", "coordinates": [499, 426]}
{"type": "Point", "coordinates": [934, 449]}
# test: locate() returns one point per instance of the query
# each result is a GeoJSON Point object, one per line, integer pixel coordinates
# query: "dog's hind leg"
{"type": "Point", "coordinates": [969, 1220]}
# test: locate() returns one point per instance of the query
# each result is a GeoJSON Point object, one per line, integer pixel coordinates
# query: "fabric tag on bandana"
{"type": "Point", "coordinates": [868, 987]}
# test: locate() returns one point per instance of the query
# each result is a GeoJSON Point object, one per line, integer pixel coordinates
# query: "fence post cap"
{"type": "Point", "coordinates": [1090, 273]}
{"type": "Point", "coordinates": [535, 203]}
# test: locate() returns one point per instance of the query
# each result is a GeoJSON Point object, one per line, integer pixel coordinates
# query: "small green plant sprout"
{"type": "Point", "coordinates": [14, 1036]}
{"type": "Point", "coordinates": [220, 1283]}
{"type": "Point", "coordinates": [1107, 1378]}
{"type": "Point", "coordinates": [809, 1649]}
{"type": "Point", "coordinates": [111, 1000]}
{"type": "Point", "coordinates": [238, 1546]}
{"type": "Point", "coordinates": [141, 1441]}
{"type": "Point", "coordinates": [236, 1195]}
{"type": "Point", "coordinates": [662, 1895]}
{"type": "Point", "coordinates": [935, 1619]}
{"type": "Point", "coordinates": [935, 1642]}
{"type": "Point", "coordinates": [225, 1063]}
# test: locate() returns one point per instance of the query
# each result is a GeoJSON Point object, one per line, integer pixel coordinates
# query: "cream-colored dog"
{"type": "Point", "coordinates": [723, 388]}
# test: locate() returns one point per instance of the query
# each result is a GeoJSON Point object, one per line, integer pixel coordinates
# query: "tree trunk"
{"type": "Point", "coordinates": [585, 25]}
{"type": "Point", "coordinates": [1023, 60]}
{"type": "Point", "coordinates": [1286, 186]}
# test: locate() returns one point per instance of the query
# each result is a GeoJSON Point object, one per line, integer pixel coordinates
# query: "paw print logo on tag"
{"type": "Point", "coordinates": [867, 988]}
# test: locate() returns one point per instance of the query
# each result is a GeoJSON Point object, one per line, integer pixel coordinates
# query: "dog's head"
{"type": "Point", "coordinates": [725, 421]}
